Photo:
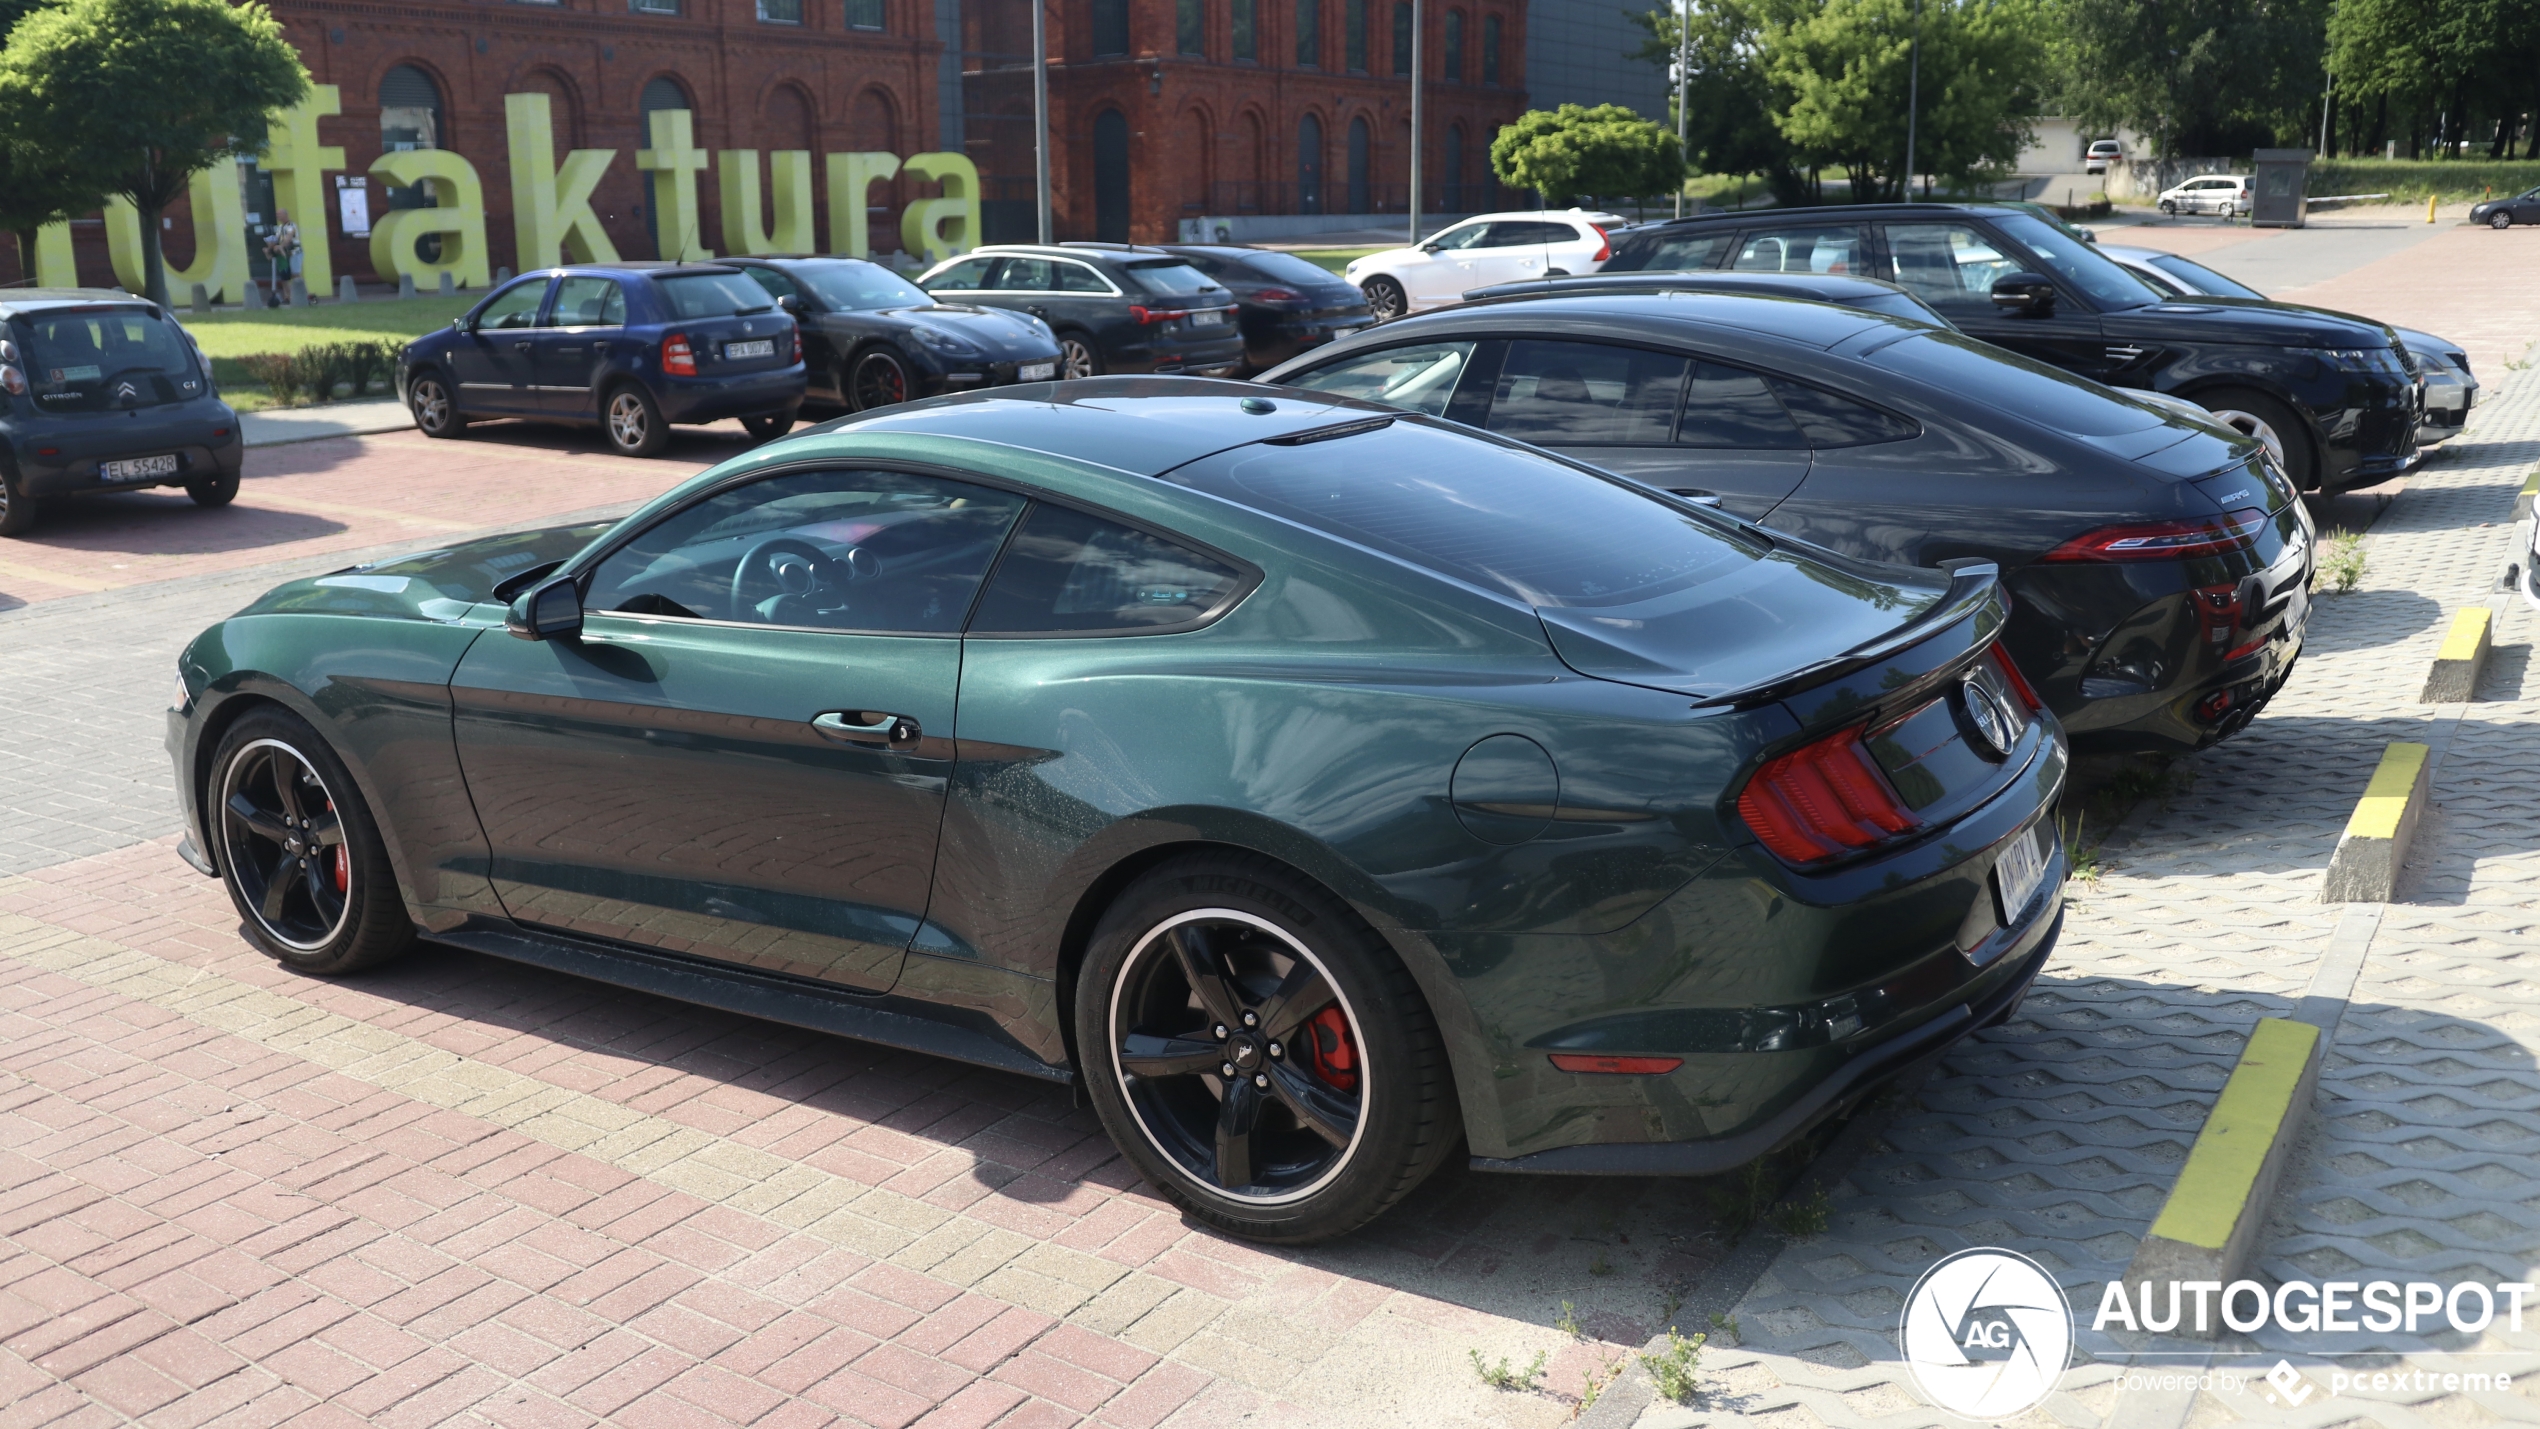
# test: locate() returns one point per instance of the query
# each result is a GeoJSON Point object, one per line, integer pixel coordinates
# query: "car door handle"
{"type": "Point", "coordinates": [871, 728]}
{"type": "Point", "coordinates": [521, 346]}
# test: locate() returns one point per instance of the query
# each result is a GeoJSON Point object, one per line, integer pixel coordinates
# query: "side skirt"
{"type": "Point", "coordinates": [913, 1026]}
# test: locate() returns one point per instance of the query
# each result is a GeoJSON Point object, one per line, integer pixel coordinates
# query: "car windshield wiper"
{"type": "Point", "coordinates": [745, 312]}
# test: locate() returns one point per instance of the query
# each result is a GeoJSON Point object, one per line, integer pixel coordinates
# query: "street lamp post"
{"type": "Point", "coordinates": [1418, 71]}
{"type": "Point", "coordinates": [1684, 64]}
{"type": "Point", "coordinates": [1913, 94]}
{"type": "Point", "coordinates": [1041, 116]}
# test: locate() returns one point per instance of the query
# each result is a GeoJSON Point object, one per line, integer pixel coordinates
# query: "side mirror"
{"type": "Point", "coordinates": [1431, 247]}
{"type": "Point", "coordinates": [546, 611]}
{"type": "Point", "coordinates": [790, 303]}
{"type": "Point", "coordinates": [459, 324]}
{"type": "Point", "coordinates": [2025, 293]}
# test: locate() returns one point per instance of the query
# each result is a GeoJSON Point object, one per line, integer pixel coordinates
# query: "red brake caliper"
{"type": "Point", "coordinates": [1335, 1054]}
{"type": "Point", "coordinates": [343, 862]}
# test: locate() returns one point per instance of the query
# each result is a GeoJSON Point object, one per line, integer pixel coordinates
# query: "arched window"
{"type": "Point", "coordinates": [661, 92]}
{"type": "Point", "coordinates": [1309, 34]}
{"type": "Point", "coordinates": [1358, 162]}
{"type": "Point", "coordinates": [1454, 67]}
{"type": "Point", "coordinates": [1490, 49]}
{"type": "Point", "coordinates": [564, 113]}
{"type": "Point", "coordinates": [867, 15]}
{"type": "Point", "coordinates": [1199, 176]}
{"type": "Point", "coordinates": [1111, 27]}
{"type": "Point", "coordinates": [1402, 37]}
{"type": "Point", "coordinates": [1111, 177]}
{"type": "Point", "coordinates": [789, 122]}
{"type": "Point", "coordinates": [411, 117]}
{"type": "Point", "coordinates": [1309, 165]}
{"type": "Point", "coordinates": [1455, 168]}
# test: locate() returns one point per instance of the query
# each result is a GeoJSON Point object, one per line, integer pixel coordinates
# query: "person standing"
{"type": "Point", "coordinates": [282, 255]}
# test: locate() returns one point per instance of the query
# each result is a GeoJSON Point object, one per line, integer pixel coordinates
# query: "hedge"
{"type": "Point", "coordinates": [2415, 180]}
{"type": "Point", "coordinates": [313, 373]}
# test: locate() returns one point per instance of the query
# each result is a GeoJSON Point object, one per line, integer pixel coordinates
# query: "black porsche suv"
{"type": "Point", "coordinates": [2334, 397]}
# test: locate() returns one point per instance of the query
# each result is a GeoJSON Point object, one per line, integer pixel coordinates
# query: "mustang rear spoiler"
{"type": "Point", "coordinates": [1973, 584]}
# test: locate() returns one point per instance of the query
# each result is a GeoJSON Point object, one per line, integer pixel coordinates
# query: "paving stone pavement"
{"type": "Point", "coordinates": [2058, 1134]}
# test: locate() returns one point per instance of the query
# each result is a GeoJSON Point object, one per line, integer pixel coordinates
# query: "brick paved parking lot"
{"type": "Point", "coordinates": [462, 1191]}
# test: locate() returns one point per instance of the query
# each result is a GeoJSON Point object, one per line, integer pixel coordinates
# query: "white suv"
{"type": "Point", "coordinates": [2103, 152]}
{"type": "Point", "coordinates": [1490, 248]}
{"type": "Point", "coordinates": [2226, 194]}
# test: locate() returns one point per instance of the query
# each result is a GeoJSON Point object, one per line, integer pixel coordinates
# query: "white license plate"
{"type": "Point", "coordinates": [2018, 872]}
{"type": "Point", "coordinates": [140, 468]}
{"type": "Point", "coordinates": [764, 347]}
{"type": "Point", "coordinates": [1036, 372]}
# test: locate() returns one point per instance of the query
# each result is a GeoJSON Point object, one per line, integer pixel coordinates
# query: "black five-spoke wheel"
{"type": "Point", "coordinates": [281, 836]}
{"type": "Point", "coordinates": [1258, 1051]}
{"type": "Point", "coordinates": [296, 845]}
{"type": "Point", "coordinates": [1237, 1056]}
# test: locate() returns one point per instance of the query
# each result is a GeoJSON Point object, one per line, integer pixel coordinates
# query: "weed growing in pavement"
{"type": "Point", "coordinates": [1568, 1324]}
{"type": "Point", "coordinates": [1674, 1370]}
{"type": "Point", "coordinates": [1594, 1381]}
{"type": "Point", "coordinates": [1675, 1300]}
{"type": "Point", "coordinates": [1728, 1325]}
{"type": "Point", "coordinates": [1747, 1194]}
{"type": "Point", "coordinates": [1804, 1218]}
{"type": "Point", "coordinates": [1500, 1376]}
{"type": "Point", "coordinates": [2341, 564]}
{"type": "Point", "coordinates": [2082, 858]}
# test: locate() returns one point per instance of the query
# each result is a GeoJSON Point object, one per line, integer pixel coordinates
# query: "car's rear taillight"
{"type": "Point", "coordinates": [1277, 295]}
{"type": "Point", "coordinates": [798, 344]}
{"type": "Point", "coordinates": [677, 357]}
{"type": "Point", "coordinates": [1604, 245]}
{"type": "Point", "coordinates": [12, 379]}
{"type": "Point", "coordinates": [1823, 799]}
{"type": "Point", "coordinates": [2166, 540]}
{"type": "Point", "coordinates": [2019, 682]}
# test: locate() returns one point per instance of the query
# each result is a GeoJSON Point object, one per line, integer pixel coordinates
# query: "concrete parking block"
{"type": "Point", "coordinates": [2209, 1225]}
{"type": "Point", "coordinates": [2523, 498]}
{"type": "Point", "coordinates": [2365, 866]}
{"type": "Point", "coordinates": [2462, 658]}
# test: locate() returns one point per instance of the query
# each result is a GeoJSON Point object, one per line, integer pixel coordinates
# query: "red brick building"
{"type": "Point", "coordinates": [1161, 109]}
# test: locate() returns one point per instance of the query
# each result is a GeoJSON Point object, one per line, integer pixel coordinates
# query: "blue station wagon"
{"type": "Point", "coordinates": [633, 347]}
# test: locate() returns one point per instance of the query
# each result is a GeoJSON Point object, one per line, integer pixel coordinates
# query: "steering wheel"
{"type": "Point", "coordinates": [794, 568]}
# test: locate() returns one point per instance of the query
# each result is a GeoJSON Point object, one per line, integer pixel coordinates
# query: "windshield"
{"type": "Point", "coordinates": [1286, 268]}
{"type": "Point", "coordinates": [1498, 517]}
{"type": "Point", "coordinates": [1172, 280]}
{"type": "Point", "coordinates": [854, 287]}
{"type": "Point", "coordinates": [106, 359]}
{"type": "Point", "coordinates": [712, 295]}
{"type": "Point", "coordinates": [2202, 278]}
{"type": "Point", "coordinates": [2077, 263]}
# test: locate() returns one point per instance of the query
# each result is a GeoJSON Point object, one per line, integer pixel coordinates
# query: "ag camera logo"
{"type": "Point", "coordinates": [1986, 1333]}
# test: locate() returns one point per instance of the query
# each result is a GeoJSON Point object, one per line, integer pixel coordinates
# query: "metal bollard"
{"type": "Point", "coordinates": [449, 285]}
{"type": "Point", "coordinates": [405, 285]}
{"type": "Point", "coordinates": [345, 292]}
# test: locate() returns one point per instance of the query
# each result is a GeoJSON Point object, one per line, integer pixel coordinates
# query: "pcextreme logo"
{"type": "Point", "coordinates": [1986, 1333]}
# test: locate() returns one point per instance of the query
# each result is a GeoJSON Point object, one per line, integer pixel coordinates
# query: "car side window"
{"type": "Point", "coordinates": [1588, 394]}
{"type": "Point", "coordinates": [1420, 378]}
{"type": "Point", "coordinates": [1026, 275]}
{"type": "Point", "coordinates": [1540, 231]}
{"type": "Point", "coordinates": [1814, 248]}
{"type": "Point", "coordinates": [1729, 408]}
{"type": "Point", "coordinates": [515, 306]}
{"type": "Point", "coordinates": [1077, 278]}
{"type": "Point", "coordinates": [1463, 235]}
{"type": "Point", "coordinates": [1068, 572]}
{"type": "Point", "coordinates": [1951, 266]}
{"type": "Point", "coordinates": [588, 302]}
{"type": "Point", "coordinates": [968, 275]}
{"type": "Point", "coordinates": [1679, 252]}
{"type": "Point", "coordinates": [1832, 421]}
{"type": "Point", "coordinates": [878, 551]}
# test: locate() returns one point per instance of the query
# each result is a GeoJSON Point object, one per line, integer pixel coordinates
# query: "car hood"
{"type": "Point", "coordinates": [442, 585]}
{"type": "Point", "coordinates": [993, 330]}
{"type": "Point", "coordinates": [2256, 322]}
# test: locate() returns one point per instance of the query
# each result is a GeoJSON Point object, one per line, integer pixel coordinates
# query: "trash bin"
{"type": "Point", "coordinates": [2278, 197]}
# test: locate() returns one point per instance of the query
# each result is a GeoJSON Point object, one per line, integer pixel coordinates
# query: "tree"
{"type": "Point", "coordinates": [1570, 152]}
{"type": "Point", "coordinates": [2200, 76]}
{"type": "Point", "coordinates": [141, 94]}
{"type": "Point", "coordinates": [37, 186]}
{"type": "Point", "coordinates": [1786, 87]}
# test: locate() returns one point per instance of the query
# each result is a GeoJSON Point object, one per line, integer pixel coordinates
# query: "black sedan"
{"type": "Point", "coordinates": [1325, 791]}
{"type": "Point", "coordinates": [2340, 393]}
{"type": "Point", "coordinates": [2160, 562]}
{"type": "Point", "coordinates": [872, 338]}
{"type": "Point", "coordinates": [631, 347]}
{"type": "Point", "coordinates": [1286, 304]}
{"type": "Point", "coordinates": [2506, 212]}
{"type": "Point", "coordinates": [1116, 307]}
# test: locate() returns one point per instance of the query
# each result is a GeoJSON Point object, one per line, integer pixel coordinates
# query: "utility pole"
{"type": "Point", "coordinates": [1041, 116]}
{"type": "Point", "coordinates": [2326, 90]}
{"type": "Point", "coordinates": [1913, 94]}
{"type": "Point", "coordinates": [1419, 24]}
{"type": "Point", "coordinates": [1684, 65]}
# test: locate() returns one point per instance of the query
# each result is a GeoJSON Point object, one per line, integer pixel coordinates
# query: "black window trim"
{"type": "Point", "coordinates": [1248, 576]}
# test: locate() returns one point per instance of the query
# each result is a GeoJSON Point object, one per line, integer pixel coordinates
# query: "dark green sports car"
{"type": "Point", "coordinates": [1321, 786]}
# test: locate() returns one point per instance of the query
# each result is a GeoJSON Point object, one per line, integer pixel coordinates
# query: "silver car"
{"type": "Point", "coordinates": [2450, 388]}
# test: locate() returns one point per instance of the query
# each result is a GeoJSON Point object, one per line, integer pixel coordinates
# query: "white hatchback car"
{"type": "Point", "coordinates": [2103, 152]}
{"type": "Point", "coordinates": [1483, 250]}
{"type": "Point", "coordinates": [2226, 194]}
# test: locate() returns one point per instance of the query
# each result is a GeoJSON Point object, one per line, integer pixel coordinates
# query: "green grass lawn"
{"type": "Point", "coordinates": [1335, 259]}
{"type": "Point", "coordinates": [227, 337]}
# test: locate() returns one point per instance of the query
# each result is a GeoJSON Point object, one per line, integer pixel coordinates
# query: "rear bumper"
{"type": "Point", "coordinates": [711, 399]}
{"type": "Point", "coordinates": [40, 477]}
{"type": "Point", "coordinates": [1989, 999]}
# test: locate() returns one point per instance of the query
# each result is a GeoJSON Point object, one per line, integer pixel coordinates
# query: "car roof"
{"type": "Point", "coordinates": [28, 300]}
{"type": "Point", "coordinates": [1737, 217]}
{"type": "Point", "coordinates": [1826, 287]}
{"type": "Point", "coordinates": [646, 266]}
{"type": "Point", "coordinates": [1762, 317]}
{"type": "Point", "coordinates": [1143, 425]}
